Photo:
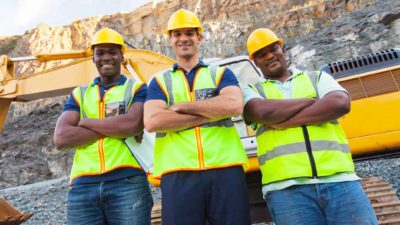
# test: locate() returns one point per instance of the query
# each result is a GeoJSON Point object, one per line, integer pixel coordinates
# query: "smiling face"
{"type": "Point", "coordinates": [185, 42]}
{"type": "Point", "coordinates": [108, 58]}
{"type": "Point", "coordinates": [271, 61]}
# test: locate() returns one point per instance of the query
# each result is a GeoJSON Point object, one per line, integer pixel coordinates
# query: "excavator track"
{"type": "Point", "coordinates": [156, 214]}
{"type": "Point", "coordinates": [383, 199]}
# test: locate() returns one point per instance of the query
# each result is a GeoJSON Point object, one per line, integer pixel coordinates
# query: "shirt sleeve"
{"type": "Point", "coordinates": [228, 79]}
{"type": "Point", "coordinates": [140, 95]}
{"type": "Point", "coordinates": [249, 93]}
{"type": "Point", "coordinates": [154, 91]}
{"type": "Point", "coordinates": [328, 84]}
{"type": "Point", "coordinates": [71, 104]}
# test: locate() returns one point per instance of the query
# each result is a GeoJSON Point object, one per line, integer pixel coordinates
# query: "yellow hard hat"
{"type": "Point", "coordinates": [261, 38]}
{"type": "Point", "coordinates": [107, 36]}
{"type": "Point", "coordinates": [184, 19]}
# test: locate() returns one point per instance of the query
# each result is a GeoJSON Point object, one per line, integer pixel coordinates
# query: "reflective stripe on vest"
{"type": "Point", "coordinates": [127, 95]}
{"type": "Point", "coordinates": [168, 84]}
{"type": "Point", "coordinates": [106, 154]}
{"type": "Point", "coordinates": [299, 147]}
{"type": "Point", "coordinates": [209, 146]}
{"type": "Point", "coordinates": [308, 151]}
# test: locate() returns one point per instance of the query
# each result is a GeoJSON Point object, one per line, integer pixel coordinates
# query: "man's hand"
{"type": "Point", "coordinates": [332, 106]}
{"type": "Point", "coordinates": [118, 126]}
{"type": "Point", "coordinates": [68, 134]}
{"type": "Point", "coordinates": [139, 138]}
{"type": "Point", "coordinates": [179, 108]}
{"type": "Point", "coordinates": [159, 118]}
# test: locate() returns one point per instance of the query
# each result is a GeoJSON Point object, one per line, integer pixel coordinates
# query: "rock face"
{"type": "Point", "coordinates": [227, 25]}
{"type": "Point", "coordinates": [315, 32]}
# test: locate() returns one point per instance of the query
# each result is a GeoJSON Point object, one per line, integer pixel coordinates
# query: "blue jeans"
{"type": "Point", "coordinates": [126, 201]}
{"type": "Point", "coordinates": [341, 203]}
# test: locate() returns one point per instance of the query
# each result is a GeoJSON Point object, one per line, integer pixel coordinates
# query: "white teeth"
{"type": "Point", "coordinates": [107, 66]}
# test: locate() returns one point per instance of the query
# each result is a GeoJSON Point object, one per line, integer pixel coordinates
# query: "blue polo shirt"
{"type": "Point", "coordinates": [227, 79]}
{"type": "Point", "coordinates": [117, 174]}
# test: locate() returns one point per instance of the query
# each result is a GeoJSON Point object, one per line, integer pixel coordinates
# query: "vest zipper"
{"type": "Point", "coordinates": [198, 140]}
{"type": "Point", "coordinates": [101, 141]}
{"type": "Point", "coordinates": [309, 151]}
{"type": "Point", "coordinates": [196, 129]}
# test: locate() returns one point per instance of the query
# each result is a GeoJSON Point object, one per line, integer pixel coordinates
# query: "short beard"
{"type": "Point", "coordinates": [275, 74]}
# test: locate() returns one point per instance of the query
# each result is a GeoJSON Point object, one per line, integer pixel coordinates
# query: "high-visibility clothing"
{"type": "Point", "coordinates": [213, 145]}
{"type": "Point", "coordinates": [106, 154]}
{"type": "Point", "coordinates": [307, 151]}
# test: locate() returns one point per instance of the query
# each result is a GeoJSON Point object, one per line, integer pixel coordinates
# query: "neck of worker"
{"type": "Point", "coordinates": [282, 77]}
{"type": "Point", "coordinates": [107, 80]}
{"type": "Point", "coordinates": [188, 63]}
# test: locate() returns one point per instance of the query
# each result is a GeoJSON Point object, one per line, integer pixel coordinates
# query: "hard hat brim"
{"type": "Point", "coordinates": [279, 42]}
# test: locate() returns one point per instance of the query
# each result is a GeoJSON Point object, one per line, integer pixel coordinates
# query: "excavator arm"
{"type": "Point", "coordinates": [60, 80]}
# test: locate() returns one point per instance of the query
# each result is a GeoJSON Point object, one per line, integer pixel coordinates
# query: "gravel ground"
{"type": "Point", "coordinates": [47, 200]}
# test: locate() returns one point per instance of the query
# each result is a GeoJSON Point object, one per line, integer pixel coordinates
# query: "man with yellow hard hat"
{"type": "Point", "coordinates": [198, 154]}
{"type": "Point", "coordinates": [307, 169]}
{"type": "Point", "coordinates": [107, 184]}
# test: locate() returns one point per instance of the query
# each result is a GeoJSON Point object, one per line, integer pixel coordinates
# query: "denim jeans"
{"type": "Point", "coordinates": [341, 203]}
{"type": "Point", "coordinates": [126, 201]}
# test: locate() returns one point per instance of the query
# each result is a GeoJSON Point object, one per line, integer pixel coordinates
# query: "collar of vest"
{"type": "Point", "coordinates": [200, 64]}
{"type": "Point", "coordinates": [121, 81]}
{"type": "Point", "coordinates": [293, 70]}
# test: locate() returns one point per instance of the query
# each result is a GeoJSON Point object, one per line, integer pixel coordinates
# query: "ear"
{"type": "Point", "coordinates": [200, 37]}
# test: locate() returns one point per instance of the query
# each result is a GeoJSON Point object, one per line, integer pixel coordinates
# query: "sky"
{"type": "Point", "coordinates": [18, 16]}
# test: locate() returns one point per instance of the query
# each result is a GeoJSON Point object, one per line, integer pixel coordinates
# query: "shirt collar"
{"type": "Point", "coordinates": [293, 70]}
{"type": "Point", "coordinates": [200, 64]}
{"type": "Point", "coordinates": [121, 81]}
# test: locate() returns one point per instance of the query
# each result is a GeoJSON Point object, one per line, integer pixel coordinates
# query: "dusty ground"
{"type": "Point", "coordinates": [47, 200]}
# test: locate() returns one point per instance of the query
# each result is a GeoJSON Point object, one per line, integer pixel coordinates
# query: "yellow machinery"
{"type": "Point", "coordinates": [141, 64]}
{"type": "Point", "coordinates": [372, 126]}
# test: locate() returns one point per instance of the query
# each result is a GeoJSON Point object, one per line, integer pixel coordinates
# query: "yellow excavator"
{"type": "Point", "coordinates": [372, 126]}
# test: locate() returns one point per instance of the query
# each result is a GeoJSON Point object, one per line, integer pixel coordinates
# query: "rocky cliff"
{"type": "Point", "coordinates": [315, 32]}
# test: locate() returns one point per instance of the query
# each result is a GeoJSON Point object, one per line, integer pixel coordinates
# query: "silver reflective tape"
{"type": "Point", "coordinates": [168, 83]}
{"type": "Point", "coordinates": [222, 123]}
{"type": "Point", "coordinates": [300, 147]}
{"type": "Point", "coordinates": [161, 135]}
{"type": "Point", "coordinates": [128, 94]}
{"type": "Point", "coordinates": [260, 90]}
{"type": "Point", "coordinates": [83, 89]}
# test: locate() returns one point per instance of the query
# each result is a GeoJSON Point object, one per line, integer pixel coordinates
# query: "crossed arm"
{"type": "Point", "coordinates": [159, 118]}
{"type": "Point", "coordinates": [71, 131]}
{"type": "Point", "coordinates": [287, 113]}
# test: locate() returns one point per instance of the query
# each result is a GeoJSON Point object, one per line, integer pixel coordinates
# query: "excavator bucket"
{"type": "Point", "coordinates": [10, 215]}
{"type": "Point", "coordinates": [4, 105]}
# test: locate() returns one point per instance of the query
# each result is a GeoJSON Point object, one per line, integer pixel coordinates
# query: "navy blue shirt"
{"type": "Point", "coordinates": [155, 92]}
{"type": "Point", "coordinates": [72, 105]}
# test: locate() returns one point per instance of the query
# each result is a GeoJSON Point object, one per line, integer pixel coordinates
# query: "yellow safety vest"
{"type": "Point", "coordinates": [210, 146]}
{"type": "Point", "coordinates": [308, 151]}
{"type": "Point", "coordinates": [108, 153]}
